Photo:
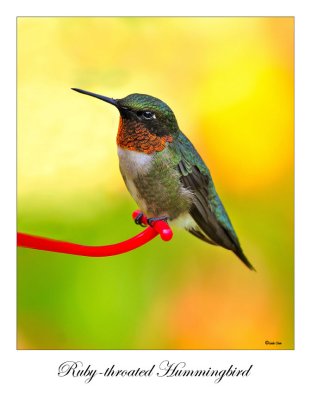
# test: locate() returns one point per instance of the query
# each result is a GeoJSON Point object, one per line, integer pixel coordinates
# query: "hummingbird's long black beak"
{"type": "Point", "coordinates": [98, 96]}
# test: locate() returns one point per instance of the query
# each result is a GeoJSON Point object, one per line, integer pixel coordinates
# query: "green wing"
{"type": "Point", "coordinates": [207, 209]}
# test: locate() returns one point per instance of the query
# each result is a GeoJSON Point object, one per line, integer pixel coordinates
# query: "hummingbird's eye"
{"type": "Point", "coordinates": [146, 114]}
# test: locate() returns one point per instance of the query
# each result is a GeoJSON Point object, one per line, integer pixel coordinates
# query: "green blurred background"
{"type": "Point", "coordinates": [230, 83]}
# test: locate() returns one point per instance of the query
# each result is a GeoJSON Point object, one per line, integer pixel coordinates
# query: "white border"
{"type": "Point", "coordinates": [33, 374]}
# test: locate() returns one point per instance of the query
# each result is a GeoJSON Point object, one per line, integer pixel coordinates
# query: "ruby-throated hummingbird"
{"type": "Point", "coordinates": [165, 174]}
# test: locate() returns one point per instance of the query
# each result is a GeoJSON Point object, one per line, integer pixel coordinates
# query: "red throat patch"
{"type": "Point", "coordinates": [135, 136]}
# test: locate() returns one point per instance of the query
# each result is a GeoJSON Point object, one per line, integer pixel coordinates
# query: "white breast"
{"type": "Point", "coordinates": [133, 163]}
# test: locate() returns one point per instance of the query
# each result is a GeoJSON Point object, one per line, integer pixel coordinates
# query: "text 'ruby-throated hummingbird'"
{"type": "Point", "coordinates": [165, 174]}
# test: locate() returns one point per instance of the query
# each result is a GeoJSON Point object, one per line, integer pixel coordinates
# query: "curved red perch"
{"type": "Point", "coordinates": [40, 243]}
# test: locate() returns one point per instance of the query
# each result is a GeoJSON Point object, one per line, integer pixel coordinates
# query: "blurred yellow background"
{"type": "Point", "coordinates": [230, 82]}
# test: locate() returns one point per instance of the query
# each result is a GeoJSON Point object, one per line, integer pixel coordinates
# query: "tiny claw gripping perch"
{"type": "Point", "coordinates": [57, 246]}
{"type": "Point", "coordinates": [161, 226]}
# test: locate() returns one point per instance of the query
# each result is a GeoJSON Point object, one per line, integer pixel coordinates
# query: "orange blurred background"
{"type": "Point", "coordinates": [230, 82]}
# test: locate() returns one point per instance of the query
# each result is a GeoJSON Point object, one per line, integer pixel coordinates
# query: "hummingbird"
{"type": "Point", "coordinates": [165, 174]}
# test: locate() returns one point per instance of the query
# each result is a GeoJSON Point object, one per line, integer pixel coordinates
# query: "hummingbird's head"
{"type": "Point", "coordinates": [156, 115]}
{"type": "Point", "coordinates": [147, 124]}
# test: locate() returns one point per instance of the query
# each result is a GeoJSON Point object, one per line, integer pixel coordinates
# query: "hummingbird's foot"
{"type": "Point", "coordinates": [154, 219]}
{"type": "Point", "coordinates": [138, 220]}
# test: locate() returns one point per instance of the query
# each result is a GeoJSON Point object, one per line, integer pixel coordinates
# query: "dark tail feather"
{"type": "Point", "coordinates": [237, 251]}
{"type": "Point", "coordinates": [201, 236]}
{"type": "Point", "coordinates": [243, 258]}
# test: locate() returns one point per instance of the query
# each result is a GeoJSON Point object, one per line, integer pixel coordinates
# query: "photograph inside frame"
{"type": "Point", "coordinates": [176, 146]}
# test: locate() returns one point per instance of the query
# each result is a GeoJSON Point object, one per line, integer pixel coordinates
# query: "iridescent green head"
{"type": "Point", "coordinates": [150, 110]}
